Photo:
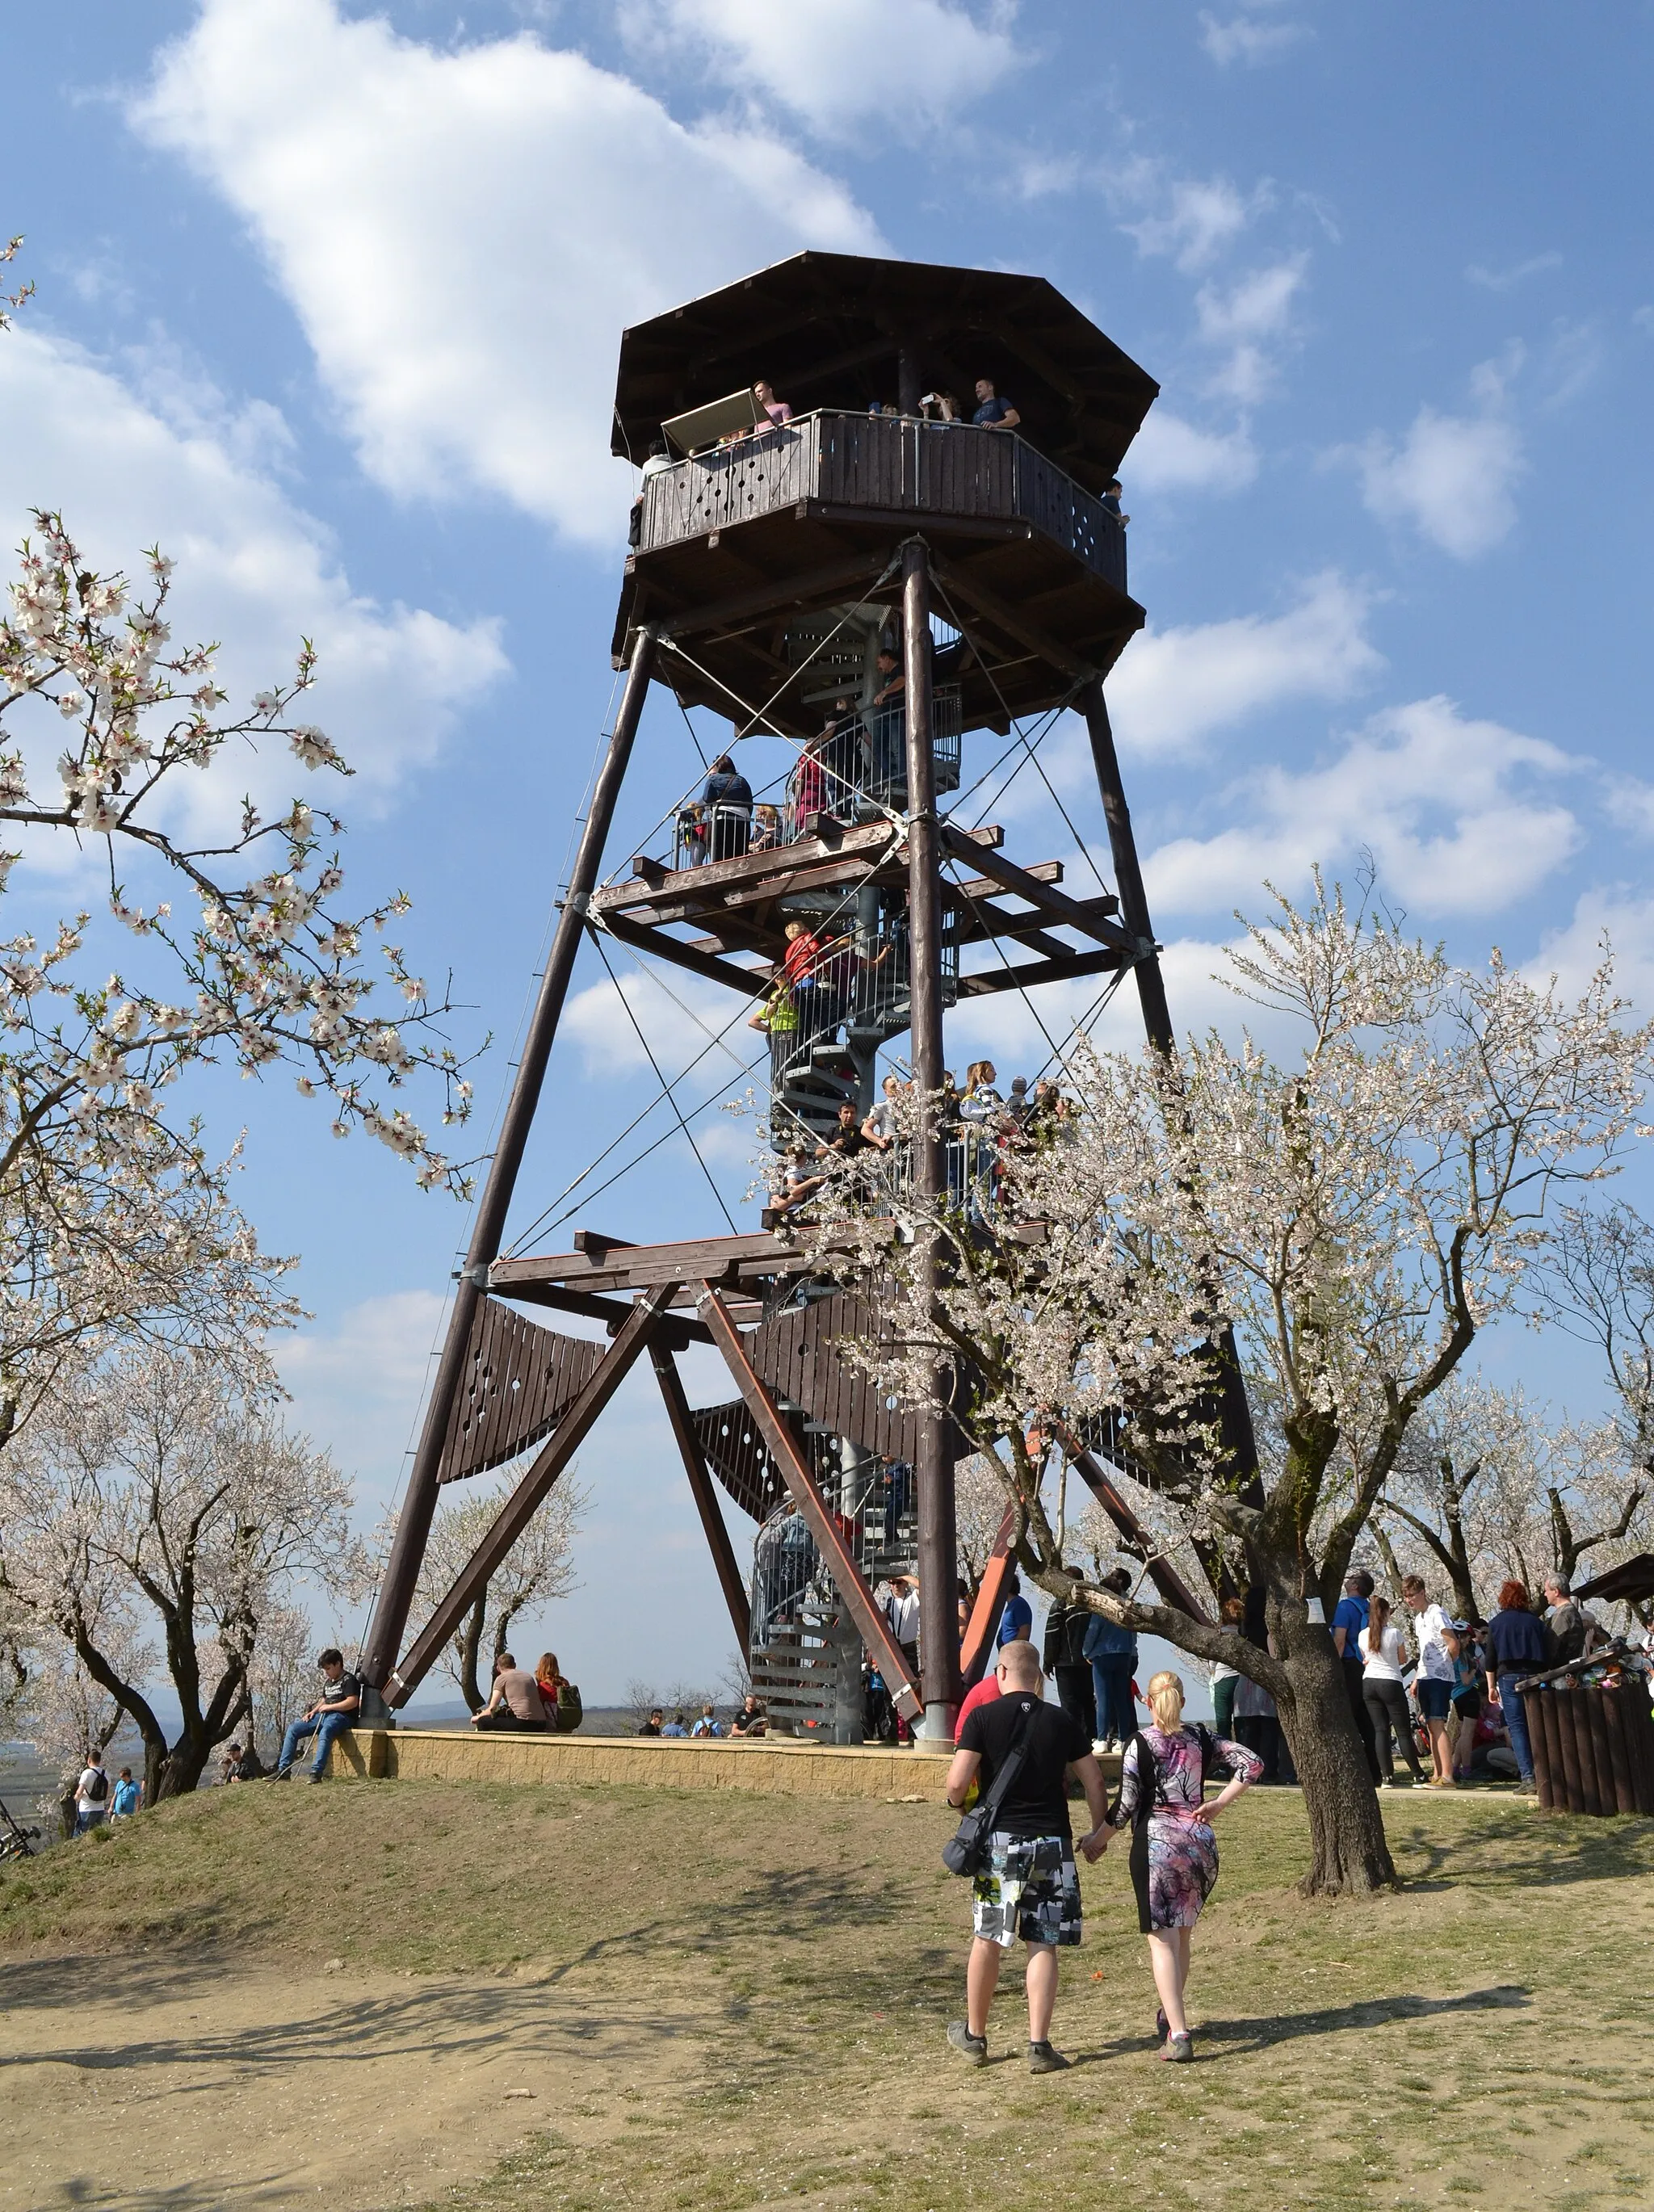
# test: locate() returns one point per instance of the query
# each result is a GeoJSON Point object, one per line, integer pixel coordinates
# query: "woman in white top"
{"type": "Point", "coordinates": [1382, 1654]}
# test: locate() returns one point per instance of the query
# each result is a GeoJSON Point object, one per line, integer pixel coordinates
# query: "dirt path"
{"type": "Point", "coordinates": [228, 2089]}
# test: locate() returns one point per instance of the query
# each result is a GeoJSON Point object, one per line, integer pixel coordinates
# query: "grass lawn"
{"type": "Point", "coordinates": [787, 1968]}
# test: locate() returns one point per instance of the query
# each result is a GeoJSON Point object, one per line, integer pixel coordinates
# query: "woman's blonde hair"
{"type": "Point", "coordinates": [1165, 1700]}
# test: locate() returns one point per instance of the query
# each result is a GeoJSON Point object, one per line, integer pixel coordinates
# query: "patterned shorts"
{"type": "Point", "coordinates": [1028, 1888]}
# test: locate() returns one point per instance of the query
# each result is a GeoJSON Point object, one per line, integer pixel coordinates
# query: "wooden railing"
{"type": "Point", "coordinates": [884, 464]}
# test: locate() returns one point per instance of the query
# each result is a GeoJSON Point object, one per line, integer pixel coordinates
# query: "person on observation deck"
{"type": "Point", "coordinates": [993, 413]}
{"type": "Point", "coordinates": [776, 409]}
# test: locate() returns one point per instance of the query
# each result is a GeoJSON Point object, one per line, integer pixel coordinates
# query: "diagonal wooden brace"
{"type": "Point", "coordinates": [1165, 1577]}
{"type": "Point", "coordinates": [990, 1599]}
{"type": "Point", "coordinates": [705, 1495]}
{"type": "Point", "coordinates": [520, 1507]}
{"type": "Point", "coordinates": [823, 1523]}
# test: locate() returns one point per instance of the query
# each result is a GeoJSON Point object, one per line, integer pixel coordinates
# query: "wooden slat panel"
{"type": "Point", "coordinates": [519, 1378]}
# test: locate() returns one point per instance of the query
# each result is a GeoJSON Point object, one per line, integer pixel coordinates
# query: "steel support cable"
{"type": "Point", "coordinates": [757, 715]}
{"type": "Point", "coordinates": [995, 766]}
{"type": "Point", "coordinates": [661, 1080]}
{"type": "Point", "coordinates": [1072, 693]}
{"type": "Point", "coordinates": [1005, 956]}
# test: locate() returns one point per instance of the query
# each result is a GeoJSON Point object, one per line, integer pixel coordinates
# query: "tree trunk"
{"type": "Point", "coordinates": [1348, 1854]}
{"type": "Point", "coordinates": [471, 1645]}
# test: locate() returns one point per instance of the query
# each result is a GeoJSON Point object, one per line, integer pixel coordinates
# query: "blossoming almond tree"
{"type": "Point", "coordinates": [112, 1213]}
{"type": "Point", "coordinates": [1355, 1208]}
{"type": "Point", "coordinates": [156, 1500]}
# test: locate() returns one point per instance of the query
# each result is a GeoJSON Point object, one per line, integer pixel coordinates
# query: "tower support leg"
{"type": "Point", "coordinates": [419, 1502]}
{"type": "Point", "coordinates": [705, 1497]}
{"type": "Point", "coordinates": [938, 1614]}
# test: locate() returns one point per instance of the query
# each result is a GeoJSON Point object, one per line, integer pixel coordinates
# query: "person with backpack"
{"type": "Point", "coordinates": [91, 1794]}
{"type": "Point", "coordinates": [1173, 1853]}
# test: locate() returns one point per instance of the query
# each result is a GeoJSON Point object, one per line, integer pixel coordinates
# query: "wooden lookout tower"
{"type": "Point", "coordinates": [850, 567]}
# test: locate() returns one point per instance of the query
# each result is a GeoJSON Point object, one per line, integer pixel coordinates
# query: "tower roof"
{"type": "Point", "coordinates": [826, 329]}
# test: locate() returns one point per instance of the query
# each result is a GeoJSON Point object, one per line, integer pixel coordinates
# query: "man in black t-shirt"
{"type": "Point", "coordinates": [1030, 1887]}
{"type": "Point", "coordinates": [330, 1716]}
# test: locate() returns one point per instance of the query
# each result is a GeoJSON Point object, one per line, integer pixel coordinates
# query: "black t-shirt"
{"type": "Point", "coordinates": [1038, 1803]}
{"type": "Point", "coordinates": [348, 1686]}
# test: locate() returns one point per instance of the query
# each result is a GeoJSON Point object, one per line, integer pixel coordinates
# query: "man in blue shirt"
{"type": "Point", "coordinates": [1112, 1651]}
{"type": "Point", "coordinates": [1016, 1621]}
{"type": "Point", "coordinates": [1348, 1621]}
{"type": "Point", "coordinates": [993, 413]}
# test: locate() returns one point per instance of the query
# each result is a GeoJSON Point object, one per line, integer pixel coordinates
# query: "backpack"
{"type": "Point", "coordinates": [1150, 1795]}
{"type": "Point", "coordinates": [97, 1788]}
{"type": "Point", "coordinates": [568, 1712]}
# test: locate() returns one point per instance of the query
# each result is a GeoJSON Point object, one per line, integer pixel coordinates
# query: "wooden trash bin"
{"type": "Point", "coordinates": [1593, 1748]}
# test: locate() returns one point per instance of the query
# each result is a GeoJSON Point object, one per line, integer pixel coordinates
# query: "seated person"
{"type": "Point", "coordinates": [776, 409]}
{"type": "Point", "coordinates": [726, 809]}
{"type": "Point", "coordinates": [798, 1185]}
{"type": "Point", "coordinates": [332, 1713]}
{"type": "Point", "coordinates": [553, 1682]}
{"type": "Point", "coordinates": [750, 1721]}
{"type": "Point", "coordinates": [707, 1724]}
{"type": "Point", "coordinates": [651, 1726]}
{"type": "Point", "coordinates": [993, 413]}
{"type": "Point", "coordinates": [240, 1763]}
{"type": "Point", "coordinates": [766, 828]}
{"type": "Point", "coordinates": [880, 1127]}
{"type": "Point", "coordinates": [675, 1726]}
{"type": "Point", "coordinates": [516, 1704]}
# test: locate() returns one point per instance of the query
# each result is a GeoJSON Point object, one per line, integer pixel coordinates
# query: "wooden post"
{"type": "Point", "coordinates": [938, 1615]}
{"type": "Point", "coordinates": [419, 1503]}
{"type": "Point", "coordinates": [818, 1516]}
{"type": "Point", "coordinates": [705, 1497]}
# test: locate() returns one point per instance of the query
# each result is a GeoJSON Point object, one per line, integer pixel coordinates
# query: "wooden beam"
{"type": "Point", "coordinates": [703, 886]}
{"type": "Point", "coordinates": [1165, 1577]}
{"type": "Point", "coordinates": [1102, 962]}
{"type": "Point", "coordinates": [526, 1499]}
{"type": "Point", "coordinates": [755, 982]}
{"type": "Point", "coordinates": [980, 920]}
{"type": "Point", "coordinates": [642, 1266]}
{"type": "Point", "coordinates": [978, 1645]}
{"type": "Point", "coordinates": [1047, 872]}
{"type": "Point", "coordinates": [1080, 914]}
{"type": "Point", "coordinates": [778, 591]}
{"type": "Point", "coordinates": [988, 528]}
{"type": "Point", "coordinates": [705, 1495]}
{"type": "Point", "coordinates": [852, 1585]}
{"type": "Point", "coordinates": [677, 1330]}
{"type": "Point", "coordinates": [993, 609]}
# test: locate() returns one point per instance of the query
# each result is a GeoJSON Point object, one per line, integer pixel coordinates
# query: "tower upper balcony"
{"type": "Point", "coordinates": [741, 547]}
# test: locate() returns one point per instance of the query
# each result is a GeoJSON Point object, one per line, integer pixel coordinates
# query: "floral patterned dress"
{"type": "Point", "coordinates": [1173, 1853]}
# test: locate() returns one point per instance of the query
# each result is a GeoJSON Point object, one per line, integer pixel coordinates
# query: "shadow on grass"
{"type": "Point", "coordinates": [1495, 1849]}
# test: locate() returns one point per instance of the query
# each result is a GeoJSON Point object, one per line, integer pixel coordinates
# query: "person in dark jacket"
{"type": "Point", "coordinates": [727, 810]}
{"type": "Point", "coordinates": [1064, 1656]}
{"type": "Point", "coordinates": [1111, 1652]}
{"type": "Point", "coordinates": [1516, 1647]}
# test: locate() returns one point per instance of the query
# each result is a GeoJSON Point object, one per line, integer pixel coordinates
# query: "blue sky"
{"type": "Point", "coordinates": [329, 303]}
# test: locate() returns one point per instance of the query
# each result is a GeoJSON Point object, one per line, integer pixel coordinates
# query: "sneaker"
{"type": "Point", "coordinates": [1098, 1747]}
{"type": "Point", "coordinates": [1178, 2049]}
{"type": "Point", "coordinates": [973, 2049]}
{"type": "Point", "coordinates": [1042, 2058]}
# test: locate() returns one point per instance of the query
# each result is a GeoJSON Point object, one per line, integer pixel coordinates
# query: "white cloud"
{"type": "Point", "coordinates": [840, 63]}
{"type": "Point", "coordinates": [1572, 952]}
{"type": "Point", "coordinates": [1171, 455]}
{"type": "Point", "coordinates": [1445, 805]}
{"type": "Point", "coordinates": [166, 459]}
{"type": "Point", "coordinates": [356, 1388]}
{"type": "Point", "coordinates": [1452, 477]}
{"type": "Point", "coordinates": [1197, 217]}
{"type": "Point", "coordinates": [1243, 38]}
{"type": "Point", "coordinates": [1175, 687]}
{"type": "Point", "coordinates": [464, 233]}
{"type": "Point", "coordinates": [680, 1020]}
{"type": "Point", "coordinates": [1630, 805]}
{"type": "Point", "coordinates": [1506, 280]}
{"type": "Point", "coordinates": [1247, 317]}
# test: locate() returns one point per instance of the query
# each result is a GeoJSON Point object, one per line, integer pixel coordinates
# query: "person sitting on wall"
{"type": "Point", "coordinates": [332, 1713]}
{"type": "Point", "coordinates": [516, 1705]}
{"type": "Point", "coordinates": [776, 409]}
{"type": "Point", "coordinates": [707, 1725]}
{"type": "Point", "coordinates": [675, 1726]}
{"type": "Point", "coordinates": [993, 413]}
{"type": "Point", "coordinates": [651, 1726]}
{"type": "Point", "coordinates": [751, 1721]}
{"type": "Point", "coordinates": [558, 1695]}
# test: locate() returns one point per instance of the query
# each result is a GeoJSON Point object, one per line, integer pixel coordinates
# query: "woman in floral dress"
{"type": "Point", "coordinates": [1174, 1853]}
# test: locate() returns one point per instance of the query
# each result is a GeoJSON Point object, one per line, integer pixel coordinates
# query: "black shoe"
{"type": "Point", "coordinates": [973, 2049]}
{"type": "Point", "coordinates": [1162, 2025]}
{"type": "Point", "coordinates": [1042, 2059]}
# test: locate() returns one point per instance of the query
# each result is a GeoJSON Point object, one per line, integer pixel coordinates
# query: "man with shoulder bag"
{"type": "Point", "coordinates": [1017, 1847]}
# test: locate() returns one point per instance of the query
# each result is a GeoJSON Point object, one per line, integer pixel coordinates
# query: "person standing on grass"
{"type": "Point", "coordinates": [1516, 1647]}
{"type": "Point", "coordinates": [91, 1794]}
{"type": "Point", "coordinates": [1437, 1676]}
{"type": "Point", "coordinates": [1382, 1654]}
{"type": "Point", "coordinates": [1173, 1853]}
{"type": "Point", "coordinates": [1030, 1887]}
{"type": "Point", "coordinates": [1225, 1680]}
{"type": "Point", "coordinates": [1349, 1619]}
{"type": "Point", "coordinates": [1015, 1616]}
{"type": "Point", "coordinates": [129, 1795]}
{"type": "Point", "coordinates": [1066, 1625]}
{"type": "Point", "coordinates": [1112, 1653]}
